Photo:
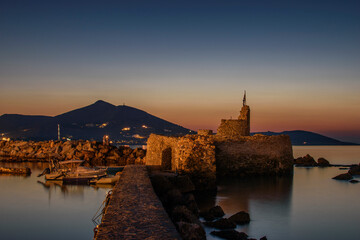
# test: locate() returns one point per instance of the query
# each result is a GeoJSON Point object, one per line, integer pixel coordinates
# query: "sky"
{"type": "Point", "coordinates": [188, 62]}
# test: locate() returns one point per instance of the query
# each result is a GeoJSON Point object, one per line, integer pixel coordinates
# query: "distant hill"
{"type": "Point", "coordinates": [300, 137]}
{"type": "Point", "coordinates": [124, 124]}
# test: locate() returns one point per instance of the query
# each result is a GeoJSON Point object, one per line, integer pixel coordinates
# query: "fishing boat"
{"type": "Point", "coordinates": [70, 171]}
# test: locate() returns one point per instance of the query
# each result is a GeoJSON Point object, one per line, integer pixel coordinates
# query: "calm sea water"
{"type": "Point", "coordinates": [309, 206]}
{"type": "Point", "coordinates": [32, 209]}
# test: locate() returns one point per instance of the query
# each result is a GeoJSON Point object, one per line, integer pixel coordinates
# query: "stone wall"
{"type": "Point", "coordinates": [232, 129]}
{"type": "Point", "coordinates": [193, 155]}
{"type": "Point", "coordinates": [204, 157]}
{"type": "Point", "coordinates": [235, 128]}
{"type": "Point", "coordinates": [255, 155]}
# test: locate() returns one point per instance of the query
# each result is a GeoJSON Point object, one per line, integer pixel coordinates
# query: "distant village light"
{"type": "Point", "coordinates": [126, 129]}
{"type": "Point", "coordinates": [144, 126]}
{"type": "Point", "coordinates": [103, 125]}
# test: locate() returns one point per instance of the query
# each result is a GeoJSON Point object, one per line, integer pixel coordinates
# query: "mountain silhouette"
{"type": "Point", "coordinates": [122, 123]}
{"type": "Point", "coordinates": [300, 137]}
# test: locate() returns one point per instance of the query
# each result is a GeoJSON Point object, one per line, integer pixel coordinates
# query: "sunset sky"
{"type": "Point", "coordinates": [188, 62]}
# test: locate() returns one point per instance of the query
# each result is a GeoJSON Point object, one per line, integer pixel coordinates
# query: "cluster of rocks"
{"type": "Point", "coordinates": [309, 161]}
{"type": "Point", "coordinates": [214, 218]}
{"type": "Point", "coordinates": [94, 153]}
{"type": "Point", "coordinates": [175, 193]}
{"type": "Point", "coordinates": [353, 171]}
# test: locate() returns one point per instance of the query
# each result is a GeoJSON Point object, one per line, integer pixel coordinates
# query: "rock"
{"type": "Point", "coordinates": [191, 231]}
{"type": "Point", "coordinates": [183, 183]}
{"type": "Point", "coordinates": [216, 211]}
{"type": "Point", "coordinates": [230, 234]}
{"type": "Point", "coordinates": [190, 203]}
{"type": "Point", "coordinates": [343, 176]}
{"type": "Point", "coordinates": [354, 170]}
{"type": "Point", "coordinates": [306, 161]}
{"type": "Point", "coordinates": [207, 216]}
{"type": "Point", "coordinates": [240, 218]}
{"type": "Point", "coordinates": [182, 214]}
{"type": "Point", "coordinates": [173, 198]}
{"type": "Point", "coordinates": [323, 162]}
{"type": "Point", "coordinates": [354, 181]}
{"type": "Point", "coordinates": [263, 238]}
{"type": "Point", "coordinates": [222, 223]}
{"type": "Point", "coordinates": [161, 184]}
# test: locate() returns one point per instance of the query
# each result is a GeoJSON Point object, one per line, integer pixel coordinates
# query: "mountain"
{"type": "Point", "coordinates": [124, 124]}
{"type": "Point", "coordinates": [299, 137]}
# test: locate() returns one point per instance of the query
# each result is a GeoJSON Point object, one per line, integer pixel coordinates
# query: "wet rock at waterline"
{"type": "Point", "coordinates": [230, 234]}
{"type": "Point", "coordinates": [322, 162]}
{"type": "Point", "coordinates": [343, 176]}
{"type": "Point", "coordinates": [240, 218]}
{"type": "Point", "coordinates": [222, 223]}
{"type": "Point", "coordinates": [306, 161]}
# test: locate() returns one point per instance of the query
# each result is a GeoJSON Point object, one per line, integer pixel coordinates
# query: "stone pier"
{"type": "Point", "coordinates": [134, 210]}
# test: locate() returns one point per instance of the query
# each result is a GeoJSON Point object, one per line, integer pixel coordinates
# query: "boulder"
{"type": "Point", "coordinates": [354, 181]}
{"type": "Point", "coordinates": [183, 183]}
{"type": "Point", "coordinates": [173, 198]}
{"type": "Point", "coordinates": [161, 184]}
{"type": "Point", "coordinates": [306, 161]}
{"type": "Point", "coordinates": [240, 218]}
{"type": "Point", "coordinates": [322, 162]}
{"type": "Point", "coordinates": [354, 170]}
{"type": "Point", "coordinates": [222, 223]}
{"type": "Point", "coordinates": [230, 234]}
{"type": "Point", "coordinates": [182, 214]}
{"type": "Point", "coordinates": [191, 231]}
{"type": "Point", "coordinates": [343, 176]}
{"type": "Point", "coordinates": [217, 211]}
{"type": "Point", "coordinates": [190, 203]}
{"type": "Point", "coordinates": [263, 238]}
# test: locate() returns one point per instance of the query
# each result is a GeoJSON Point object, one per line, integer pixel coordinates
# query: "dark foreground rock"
{"type": "Point", "coordinates": [175, 193]}
{"type": "Point", "coordinates": [354, 170]}
{"type": "Point", "coordinates": [190, 231]}
{"type": "Point", "coordinates": [240, 218]}
{"type": "Point", "coordinates": [222, 223]}
{"type": "Point", "coordinates": [354, 181]}
{"type": "Point", "coordinates": [322, 162]}
{"type": "Point", "coordinates": [306, 161]}
{"type": "Point", "coordinates": [217, 211]}
{"type": "Point", "coordinates": [212, 213]}
{"type": "Point", "coordinates": [343, 176]}
{"type": "Point", "coordinates": [230, 234]}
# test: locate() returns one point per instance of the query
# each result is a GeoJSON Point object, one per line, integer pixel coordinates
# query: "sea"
{"type": "Point", "coordinates": [310, 205]}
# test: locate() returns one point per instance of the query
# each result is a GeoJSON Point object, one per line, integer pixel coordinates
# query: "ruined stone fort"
{"type": "Point", "coordinates": [229, 152]}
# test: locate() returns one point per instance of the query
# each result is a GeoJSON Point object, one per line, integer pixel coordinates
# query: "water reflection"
{"type": "Point", "coordinates": [31, 206]}
{"type": "Point", "coordinates": [237, 194]}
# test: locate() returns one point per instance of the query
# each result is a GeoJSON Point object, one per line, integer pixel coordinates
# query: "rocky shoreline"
{"type": "Point", "coordinates": [94, 153]}
{"type": "Point", "coordinates": [176, 192]}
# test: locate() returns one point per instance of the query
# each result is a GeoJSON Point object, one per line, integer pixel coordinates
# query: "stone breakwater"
{"type": "Point", "coordinates": [134, 210]}
{"type": "Point", "coordinates": [94, 153]}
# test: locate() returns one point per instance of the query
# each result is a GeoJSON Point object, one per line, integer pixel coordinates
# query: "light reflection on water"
{"type": "Point", "coordinates": [34, 209]}
{"type": "Point", "coordinates": [310, 205]}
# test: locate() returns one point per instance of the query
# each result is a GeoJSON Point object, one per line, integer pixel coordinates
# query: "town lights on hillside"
{"type": "Point", "coordinates": [103, 125]}
{"type": "Point", "coordinates": [126, 129]}
{"type": "Point", "coordinates": [144, 126]}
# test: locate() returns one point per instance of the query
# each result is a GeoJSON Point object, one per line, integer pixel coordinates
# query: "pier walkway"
{"type": "Point", "coordinates": [134, 210]}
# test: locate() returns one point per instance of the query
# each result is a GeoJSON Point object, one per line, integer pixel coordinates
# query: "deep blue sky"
{"type": "Point", "coordinates": [187, 61]}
